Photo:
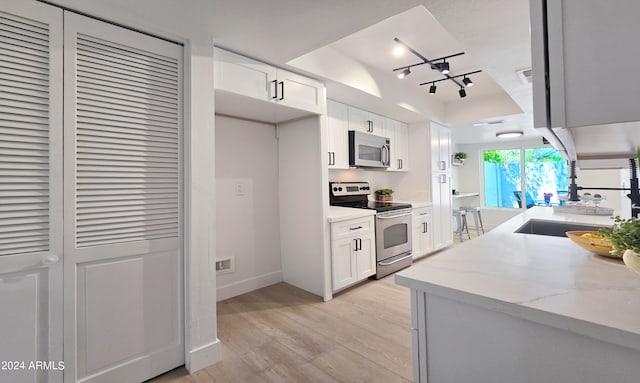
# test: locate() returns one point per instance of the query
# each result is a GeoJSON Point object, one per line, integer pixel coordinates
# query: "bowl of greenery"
{"type": "Point", "coordinates": [625, 241]}
{"type": "Point", "coordinates": [384, 194]}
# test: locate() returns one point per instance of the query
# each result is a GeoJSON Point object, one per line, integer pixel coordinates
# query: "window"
{"type": "Point", "coordinates": [545, 176]}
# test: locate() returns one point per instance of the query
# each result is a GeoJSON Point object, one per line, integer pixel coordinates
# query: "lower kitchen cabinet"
{"type": "Point", "coordinates": [353, 255]}
{"type": "Point", "coordinates": [422, 231]}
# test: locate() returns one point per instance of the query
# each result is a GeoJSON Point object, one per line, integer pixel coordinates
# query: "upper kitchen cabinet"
{"type": "Point", "coordinates": [440, 148]}
{"type": "Point", "coordinates": [252, 89]}
{"type": "Point", "coordinates": [584, 58]}
{"type": "Point", "coordinates": [364, 121]}
{"type": "Point", "coordinates": [337, 135]}
{"type": "Point", "coordinates": [398, 132]}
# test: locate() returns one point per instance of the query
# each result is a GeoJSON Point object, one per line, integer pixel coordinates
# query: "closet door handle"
{"type": "Point", "coordinates": [275, 89]}
{"type": "Point", "coordinates": [330, 158]}
{"type": "Point", "coordinates": [281, 90]}
{"type": "Point", "coordinates": [333, 157]}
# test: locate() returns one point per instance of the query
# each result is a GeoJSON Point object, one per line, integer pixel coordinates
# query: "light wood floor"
{"type": "Point", "coordinates": [283, 334]}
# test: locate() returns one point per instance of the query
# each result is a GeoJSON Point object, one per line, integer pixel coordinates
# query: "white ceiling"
{"type": "Point", "coordinates": [493, 33]}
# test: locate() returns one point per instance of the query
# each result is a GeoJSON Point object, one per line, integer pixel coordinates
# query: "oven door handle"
{"type": "Point", "coordinates": [393, 216]}
{"type": "Point", "coordinates": [396, 261]}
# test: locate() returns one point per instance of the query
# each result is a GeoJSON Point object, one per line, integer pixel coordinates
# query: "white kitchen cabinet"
{"type": "Point", "coordinates": [368, 122]}
{"type": "Point", "coordinates": [353, 255]}
{"type": "Point", "coordinates": [577, 46]}
{"type": "Point", "coordinates": [243, 79]}
{"type": "Point", "coordinates": [337, 135]}
{"type": "Point", "coordinates": [441, 196]}
{"type": "Point", "coordinates": [398, 132]}
{"type": "Point", "coordinates": [300, 92]}
{"type": "Point", "coordinates": [440, 148]}
{"type": "Point", "coordinates": [422, 232]}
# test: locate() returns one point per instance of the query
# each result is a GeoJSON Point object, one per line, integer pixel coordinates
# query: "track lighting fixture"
{"type": "Point", "coordinates": [440, 64]}
{"type": "Point", "coordinates": [443, 67]}
{"type": "Point", "coordinates": [404, 73]}
{"type": "Point", "coordinates": [509, 134]}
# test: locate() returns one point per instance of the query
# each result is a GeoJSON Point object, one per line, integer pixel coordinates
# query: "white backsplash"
{"type": "Point", "coordinates": [382, 179]}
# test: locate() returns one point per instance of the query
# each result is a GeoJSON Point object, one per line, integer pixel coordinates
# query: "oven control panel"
{"type": "Point", "coordinates": [339, 189]}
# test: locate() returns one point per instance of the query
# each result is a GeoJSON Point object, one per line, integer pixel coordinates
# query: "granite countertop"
{"type": "Point", "coordinates": [544, 279]}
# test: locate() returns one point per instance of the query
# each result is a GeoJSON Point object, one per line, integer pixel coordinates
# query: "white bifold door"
{"type": "Point", "coordinates": [91, 213]}
{"type": "Point", "coordinates": [30, 192]}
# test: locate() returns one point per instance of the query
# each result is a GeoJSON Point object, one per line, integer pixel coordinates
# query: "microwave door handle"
{"type": "Point", "coordinates": [386, 155]}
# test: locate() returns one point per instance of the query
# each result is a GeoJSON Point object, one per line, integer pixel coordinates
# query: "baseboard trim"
{"type": "Point", "coordinates": [204, 356]}
{"type": "Point", "coordinates": [241, 287]}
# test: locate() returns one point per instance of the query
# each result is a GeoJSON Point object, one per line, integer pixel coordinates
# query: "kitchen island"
{"type": "Point", "coordinates": [511, 307]}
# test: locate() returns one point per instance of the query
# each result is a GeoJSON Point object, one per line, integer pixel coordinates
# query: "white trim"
{"type": "Point", "coordinates": [204, 356]}
{"type": "Point", "coordinates": [244, 286]}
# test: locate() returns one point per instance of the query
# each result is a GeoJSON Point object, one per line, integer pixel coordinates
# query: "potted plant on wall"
{"type": "Point", "coordinates": [384, 194]}
{"type": "Point", "coordinates": [458, 158]}
{"type": "Point", "coordinates": [625, 240]}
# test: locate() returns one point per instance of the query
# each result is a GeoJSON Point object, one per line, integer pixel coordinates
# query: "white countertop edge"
{"type": "Point", "coordinates": [339, 213]}
{"type": "Point", "coordinates": [577, 326]}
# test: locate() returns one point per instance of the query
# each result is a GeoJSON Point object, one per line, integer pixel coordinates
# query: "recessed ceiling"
{"type": "Point", "coordinates": [373, 46]}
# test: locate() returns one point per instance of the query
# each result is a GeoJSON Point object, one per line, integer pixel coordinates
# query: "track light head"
{"type": "Point", "coordinates": [404, 73]}
{"type": "Point", "coordinates": [443, 67]}
{"type": "Point", "coordinates": [462, 92]}
{"type": "Point", "coordinates": [432, 89]}
{"type": "Point", "coordinates": [467, 82]}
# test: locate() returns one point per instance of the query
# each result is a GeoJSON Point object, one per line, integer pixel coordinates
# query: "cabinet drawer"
{"type": "Point", "coordinates": [422, 213]}
{"type": "Point", "coordinates": [351, 227]}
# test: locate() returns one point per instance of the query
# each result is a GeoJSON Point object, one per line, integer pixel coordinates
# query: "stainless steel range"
{"type": "Point", "coordinates": [393, 224]}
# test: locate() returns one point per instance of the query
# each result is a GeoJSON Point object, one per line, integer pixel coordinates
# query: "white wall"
{"type": "Point", "coordinates": [247, 220]}
{"type": "Point", "coordinates": [414, 185]}
{"type": "Point", "coordinates": [304, 194]}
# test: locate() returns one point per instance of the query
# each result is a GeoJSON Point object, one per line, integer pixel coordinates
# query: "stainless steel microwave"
{"type": "Point", "coordinates": [368, 150]}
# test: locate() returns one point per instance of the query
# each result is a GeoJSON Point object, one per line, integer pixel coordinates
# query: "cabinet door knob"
{"type": "Point", "coordinates": [282, 90]}
{"type": "Point", "coordinates": [275, 89]}
{"type": "Point", "coordinates": [355, 228]}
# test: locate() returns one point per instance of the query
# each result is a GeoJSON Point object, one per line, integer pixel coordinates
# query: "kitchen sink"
{"type": "Point", "coordinates": [553, 228]}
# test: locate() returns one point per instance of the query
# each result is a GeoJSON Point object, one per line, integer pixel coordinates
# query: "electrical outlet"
{"type": "Point", "coordinates": [240, 188]}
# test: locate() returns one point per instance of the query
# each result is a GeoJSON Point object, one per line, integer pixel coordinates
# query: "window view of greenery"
{"type": "Point", "coordinates": [545, 171]}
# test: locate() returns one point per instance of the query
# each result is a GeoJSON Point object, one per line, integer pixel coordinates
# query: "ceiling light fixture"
{"type": "Point", "coordinates": [398, 50]}
{"type": "Point", "coordinates": [444, 67]}
{"type": "Point", "coordinates": [509, 134]}
{"type": "Point", "coordinates": [404, 73]}
{"type": "Point", "coordinates": [435, 64]}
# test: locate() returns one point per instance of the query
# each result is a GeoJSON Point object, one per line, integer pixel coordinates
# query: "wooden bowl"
{"type": "Point", "coordinates": [600, 246]}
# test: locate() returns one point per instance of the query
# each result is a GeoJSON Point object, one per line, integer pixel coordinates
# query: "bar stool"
{"type": "Point", "coordinates": [477, 217]}
{"type": "Point", "coordinates": [461, 222]}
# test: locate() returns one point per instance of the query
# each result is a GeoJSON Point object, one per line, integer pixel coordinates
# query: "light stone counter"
{"type": "Point", "coordinates": [541, 279]}
{"type": "Point", "coordinates": [339, 213]}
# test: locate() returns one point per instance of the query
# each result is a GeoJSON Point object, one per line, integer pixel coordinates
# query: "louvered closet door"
{"type": "Point", "coordinates": [30, 190]}
{"type": "Point", "coordinates": [122, 218]}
